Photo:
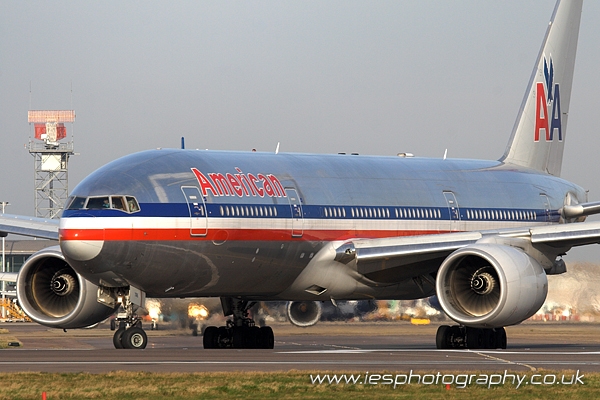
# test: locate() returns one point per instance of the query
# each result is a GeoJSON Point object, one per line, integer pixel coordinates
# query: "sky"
{"type": "Point", "coordinates": [373, 77]}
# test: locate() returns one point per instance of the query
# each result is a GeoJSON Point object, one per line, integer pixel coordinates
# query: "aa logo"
{"type": "Point", "coordinates": [547, 97]}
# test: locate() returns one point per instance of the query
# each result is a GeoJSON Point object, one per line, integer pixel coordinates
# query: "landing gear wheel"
{"type": "Point", "coordinates": [210, 340]}
{"type": "Point", "coordinates": [134, 338]}
{"type": "Point", "coordinates": [266, 338]}
{"type": "Point", "coordinates": [442, 337]}
{"type": "Point", "coordinates": [253, 337]}
{"type": "Point", "coordinates": [240, 332]}
{"type": "Point", "coordinates": [117, 338]}
{"type": "Point", "coordinates": [490, 338]}
{"type": "Point", "coordinates": [238, 337]}
{"type": "Point", "coordinates": [501, 341]}
{"type": "Point", "coordinates": [223, 335]}
{"type": "Point", "coordinates": [453, 337]}
{"type": "Point", "coordinates": [475, 338]}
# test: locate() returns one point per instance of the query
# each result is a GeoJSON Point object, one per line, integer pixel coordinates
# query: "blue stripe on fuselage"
{"type": "Point", "coordinates": [333, 212]}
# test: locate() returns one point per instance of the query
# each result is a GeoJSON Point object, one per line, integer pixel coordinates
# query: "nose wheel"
{"type": "Point", "coordinates": [133, 337]}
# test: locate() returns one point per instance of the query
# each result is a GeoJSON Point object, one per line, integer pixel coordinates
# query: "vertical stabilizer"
{"type": "Point", "coordinates": [539, 133]}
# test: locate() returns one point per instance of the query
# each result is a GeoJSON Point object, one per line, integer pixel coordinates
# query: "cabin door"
{"type": "Point", "coordinates": [197, 209]}
{"type": "Point", "coordinates": [546, 203]}
{"type": "Point", "coordinates": [454, 211]}
{"type": "Point", "coordinates": [296, 209]}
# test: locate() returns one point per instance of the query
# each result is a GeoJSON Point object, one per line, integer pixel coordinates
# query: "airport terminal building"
{"type": "Point", "coordinates": [16, 252]}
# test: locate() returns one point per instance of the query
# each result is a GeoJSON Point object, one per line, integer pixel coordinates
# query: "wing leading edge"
{"type": "Point", "coordinates": [29, 226]}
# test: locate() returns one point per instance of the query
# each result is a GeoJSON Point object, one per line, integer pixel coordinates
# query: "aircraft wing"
{"type": "Point", "coordinates": [374, 256]}
{"type": "Point", "coordinates": [29, 226]}
{"type": "Point", "coordinates": [567, 235]}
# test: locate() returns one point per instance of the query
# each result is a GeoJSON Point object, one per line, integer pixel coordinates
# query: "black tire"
{"type": "Point", "coordinates": [491, 339]}
{"type": "Point", "coordinates": [501, 341]}
{"type": "Point", "coordinates": [134, 338]}
{"type": "Point", "coordinates": [475, 338]}
{"type": "Point", "coordinates": [266, 338]}
{"type": "Point", "coordinates": [223, 333]}
{"type": "Point", "coordinates": [238, 337]}
{"type": "Point", "coordinates": [211, 338]}
{"type": "Point", "coordinates": [442, 337]}
{"type": "Point", "coordinates": [113, 324]}
{"type": "Point", "coordinates": [117, 338]}
{"type": "Point", "coordinates": [253, 338]}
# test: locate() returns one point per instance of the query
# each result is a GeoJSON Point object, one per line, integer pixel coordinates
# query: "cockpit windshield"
{"type": "Point", "coordinates": [127, 204]}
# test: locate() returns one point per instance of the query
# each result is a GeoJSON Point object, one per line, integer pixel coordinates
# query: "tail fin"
{"type": "Point", "coordinates": [538, 135]}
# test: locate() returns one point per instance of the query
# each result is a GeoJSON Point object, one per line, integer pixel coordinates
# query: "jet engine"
{"type": "Point", "coordinates": [52, 294]}
{"type": "Point", "coordinates": [490, 286]}
{"type": "Point", "coordinates": [304, 313]}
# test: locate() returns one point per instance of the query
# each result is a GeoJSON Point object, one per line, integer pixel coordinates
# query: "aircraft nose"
{"type": "Point", "coordinates": [81, 250]}
{"type": "Point", "coordinates": [78, 243]}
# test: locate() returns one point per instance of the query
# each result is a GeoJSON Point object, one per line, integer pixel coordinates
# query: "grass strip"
{"type": "Point", "coordinates": [286, 385]}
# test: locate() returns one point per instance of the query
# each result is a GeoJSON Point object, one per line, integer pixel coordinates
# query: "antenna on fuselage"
{"type": "Point", "coordinates": [445, 153]}
{"type": "Point", "coordinates": [277, 148]}
{"type": "Point", "coordinates": [182, 143]}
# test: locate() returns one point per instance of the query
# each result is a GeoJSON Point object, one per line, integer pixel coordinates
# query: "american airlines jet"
{"type": "Point", "coordinates": [251, 226]}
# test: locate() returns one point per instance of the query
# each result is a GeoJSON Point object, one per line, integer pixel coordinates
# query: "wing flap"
{"type": "Point", "coordinates": [566, 235]}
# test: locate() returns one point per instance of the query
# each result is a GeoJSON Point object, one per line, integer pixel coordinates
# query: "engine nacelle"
{"type": "Point", "coordinates": [52, 294]}
{"type": "Point", "coordinates": [490, 286]}
{"type": "Point", "coordinates": [304, 313]}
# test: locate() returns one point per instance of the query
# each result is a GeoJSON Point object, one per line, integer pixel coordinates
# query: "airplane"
{"type": "Point", "coordinates": [254, 226]}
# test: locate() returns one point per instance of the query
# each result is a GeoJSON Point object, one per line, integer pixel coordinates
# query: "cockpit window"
{"type": "Point", "coordinates": [127, 204]}
{"type": "Point", "coordinates": [98, 203]}
{"type": "Point", "coordinates": [118, 203]}
{"type": "Point", "coordinates": [76, 203]}
{"type": "Point", "coordinates": [132, 204]}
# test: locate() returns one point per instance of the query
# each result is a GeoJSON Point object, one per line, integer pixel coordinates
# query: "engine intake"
{"type": "Point", "coordinates": [51, 293]}
{"type": "Point", "coordinates": [490, 286]}
{"type": "Point", "coordinates": [304, 313]}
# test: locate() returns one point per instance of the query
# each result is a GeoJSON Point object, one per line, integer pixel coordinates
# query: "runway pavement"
{"type": "Point", "coordinates": [362, 347]}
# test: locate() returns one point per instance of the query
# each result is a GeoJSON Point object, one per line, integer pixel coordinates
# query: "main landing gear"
{"type": "Point", "coordinates": [240, 332]}
{"type": "Point", "coordinates": [455, 337]}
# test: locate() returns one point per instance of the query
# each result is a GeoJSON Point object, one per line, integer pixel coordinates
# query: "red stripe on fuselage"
{"type": "Point", "coordinates": [229, 234]}
{"type": "Point", "coordinates": [82, 234]}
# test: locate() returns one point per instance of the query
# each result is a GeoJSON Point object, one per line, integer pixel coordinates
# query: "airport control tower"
{"type": "Point", "coordinates": [51, 159]}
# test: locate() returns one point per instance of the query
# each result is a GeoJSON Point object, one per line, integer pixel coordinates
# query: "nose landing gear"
{"type": "Point", "coordinates": [129, 334]}
{"type": "Point", "coordinates": [132, 337]}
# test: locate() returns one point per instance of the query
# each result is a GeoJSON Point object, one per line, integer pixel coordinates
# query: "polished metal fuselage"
{"type": "Point", "coordinates": [245, 237]}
